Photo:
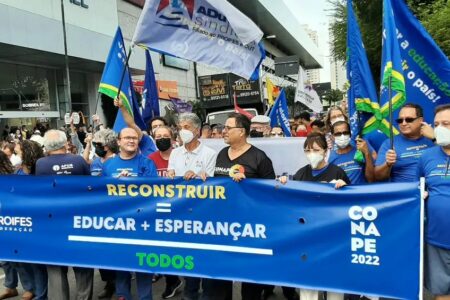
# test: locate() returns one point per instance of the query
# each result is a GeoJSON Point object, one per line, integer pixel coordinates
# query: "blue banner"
{"type": "Point", "coordinates": [354, 240]}
{"type": "Point", "coordinates": [362, 95]}
{"type": "Point", "coordinates": [279, 115]}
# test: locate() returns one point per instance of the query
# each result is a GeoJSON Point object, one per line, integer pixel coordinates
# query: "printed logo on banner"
{"type": "Point", "coordinates": [16, 224]}
{"type": "Point", "coordinates": [364, 234]}
{"type": "Point", "coordinates": [171, 12]}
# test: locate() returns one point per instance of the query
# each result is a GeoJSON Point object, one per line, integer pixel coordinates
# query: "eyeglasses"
{"type": "Point", "coordinates": [97, 145]}
{"type": "Point", "coordinates": [341, 133]}
{"type": "Point", "coordinates": [407, 120]}
{"type": "Point", "coordinates": [228, 128]}
{"type": "Point", "coordinates": [129, 138]}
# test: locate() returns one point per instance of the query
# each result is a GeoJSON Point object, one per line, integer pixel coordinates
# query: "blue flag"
{"type": "Point", "coordinates": [279, 115]}
{"type": "Point", "coordinates": [362, 96]}
{"type": "Point", "coordinates": [407, 47]}
{"type": "Point", "coordinates": [426, 67]}
{"type": "Point", "coordinates": [392, 78]}
{"type": "Point", "coordinates": [109, 84]}
{"type": "Point", "coordinates": [150, 98]}
{"type": "Point", "coordinates": [207, 31]}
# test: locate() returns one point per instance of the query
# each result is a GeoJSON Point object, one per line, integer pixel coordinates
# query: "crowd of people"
{"type": "Point", "coordinates": [334, 157]}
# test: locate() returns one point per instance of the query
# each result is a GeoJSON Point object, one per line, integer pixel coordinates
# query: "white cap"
{"type": "Point", "coordinates": [261, 119]}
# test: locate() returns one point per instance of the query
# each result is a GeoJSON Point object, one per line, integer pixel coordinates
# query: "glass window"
{"type": "Point", "coordinates": [25, 88]}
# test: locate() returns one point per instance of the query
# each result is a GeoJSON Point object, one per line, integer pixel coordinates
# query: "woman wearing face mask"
{"type": "Point", "coordinates": [105, 144]}
{"type": "Point", "coordinates": [164, 139]}
{"type": "Point", "coordinates": [318, 170]}
{"type": "Point", "coordinates": [343, 155]}
{"type": "Point", "coordinates": [34, 274]}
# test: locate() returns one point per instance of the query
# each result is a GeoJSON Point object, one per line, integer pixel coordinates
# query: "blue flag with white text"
{"type": "Point", "coordinates": [150, 98]}
{"type": "Point", "coordinates": [426, 67]}
{"type": "Point", "coordinates": [212, 32]}
{"type": "Point", "coordinates": [279, 115]}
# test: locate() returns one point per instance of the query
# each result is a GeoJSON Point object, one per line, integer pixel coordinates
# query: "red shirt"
{"type": "Point", "coordinates": [160, 162]}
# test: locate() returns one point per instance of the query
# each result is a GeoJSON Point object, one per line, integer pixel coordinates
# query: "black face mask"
{"type": "Point", "coordinates": [100, 151]}
{"type": "Point", "coordinates": [163, 144]}
{"type": "Point", "coordinates": [256, 134]}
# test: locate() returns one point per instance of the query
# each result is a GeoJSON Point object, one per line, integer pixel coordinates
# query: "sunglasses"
{"type": "Point", "coordinates": [407, 120]}
{"type": "Point", "coordinates": [341, 133]}
{"type": "Point", "coordinates": [97, 145]}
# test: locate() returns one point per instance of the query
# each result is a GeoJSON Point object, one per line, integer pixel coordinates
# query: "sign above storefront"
{"type": "Point", "coordinates": [167, 89]}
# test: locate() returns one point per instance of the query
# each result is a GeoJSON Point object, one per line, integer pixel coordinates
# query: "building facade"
{"type": "Point", "coordinates": [33, 85]}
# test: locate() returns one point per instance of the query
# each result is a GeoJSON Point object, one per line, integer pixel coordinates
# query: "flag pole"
{"type": "Point", "coordinates": [391, 129]}
{"type": "Point", "coordinates": [130, 50]}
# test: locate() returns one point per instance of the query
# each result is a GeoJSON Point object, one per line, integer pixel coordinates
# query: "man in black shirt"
{"type": "Point", "coordinates": [240, 160]}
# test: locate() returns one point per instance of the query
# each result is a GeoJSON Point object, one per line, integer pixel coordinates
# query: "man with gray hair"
{"type": "Point", "coordinates": [59, 162]}
{"type": "Point", "coordinates": [192, 160]}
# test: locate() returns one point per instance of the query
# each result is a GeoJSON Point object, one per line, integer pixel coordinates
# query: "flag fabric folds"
{"type": "Point", "coordinates": [279, 115]}
{"type": "Point", "coordinates": [362, 95]}
{"type": "Point", "coordinates": [207, 31]}
{"type": "Point", "coordinates": [109, 84]}
{"type": "Point", "coordinates": [426, 67]}
{"type": "Point", "coordinates": [304, 93]}
{"type": "Point", "coordinates": [150, 99]}
{"type": "Point", "coordinates": [392, 78]}
{"type": "Point", "coordinates": [272, 92]}
{"type": "Point", "coordinates": [180, 106]}
{"type": "Point", "coordinates": [240, 110]}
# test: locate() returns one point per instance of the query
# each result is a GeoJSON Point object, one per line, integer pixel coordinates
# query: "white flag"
{"type": "Point", "coordinates": [306, 94]}
{"type": "Point", "coordinates": [213, 32]}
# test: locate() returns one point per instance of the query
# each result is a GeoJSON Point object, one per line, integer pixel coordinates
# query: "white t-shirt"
{"type": "Point", "coordinates": [202, 159]}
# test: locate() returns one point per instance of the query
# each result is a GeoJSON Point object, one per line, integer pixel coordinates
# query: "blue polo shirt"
{"type": "Point", "coordinates": [147, 145]}
{"type": "Point", "coordinates": [355, 171]}
{"type": "Point", "coordinates": [434, 166]}
{"type": "Point", "coordinates": [96, 167]}
{"type": "Point", "coordinates": [408, 154]}
{"type": "Point", "coordinates": [138, 166]}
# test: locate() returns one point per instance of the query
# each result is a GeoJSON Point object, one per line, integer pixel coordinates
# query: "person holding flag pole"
{"type": "Point", "coordinates": [397, 157]}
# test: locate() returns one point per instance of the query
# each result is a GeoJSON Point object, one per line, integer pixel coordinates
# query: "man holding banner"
{"type": "Point", "coordinates": [130, 163]}
{"type": "Point", "coordinates": [239, 160]}
{"type": "Point", "coordinates": [434, 166]}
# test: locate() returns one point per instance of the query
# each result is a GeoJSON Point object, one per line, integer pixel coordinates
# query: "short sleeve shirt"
{"type": "Point", "coordinates": [408, 154]}
{"type": "Point", "coordinates": [202, 159]}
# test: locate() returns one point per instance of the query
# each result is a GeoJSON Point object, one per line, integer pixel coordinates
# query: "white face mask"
{"type": "Point", "coordinates": [315, 159]}
{"type": "Point", "coordinates": [342, 141]}
{"type": "Point", "coordinates": [16, 161]}
{"type": "Point", "coordinates": [442, 135]}
{"type": "Point", "coordinates": [186, 136]}
{"type": "Point", "coordinates": [337, 120]}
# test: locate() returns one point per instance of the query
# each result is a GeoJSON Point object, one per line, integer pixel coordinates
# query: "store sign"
{"type": "Point", "coordinates": [218, 90]}
{"type": "Point", "coordinates": [167, 89]}
{"type": "Point", "coordinates": [215, 90]}
{"type": "Point", "coordinates": [247, 91]}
